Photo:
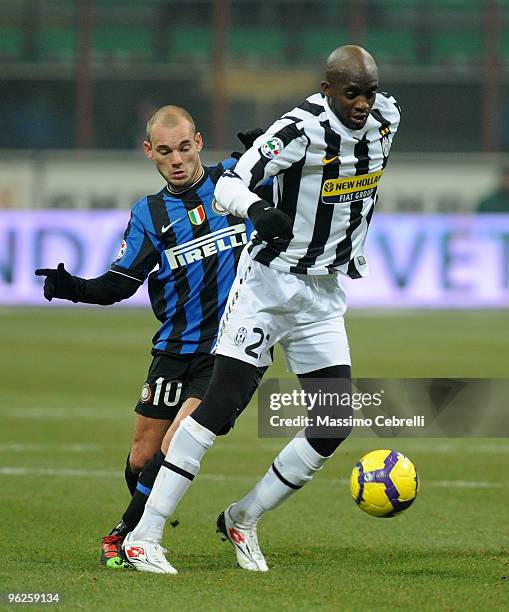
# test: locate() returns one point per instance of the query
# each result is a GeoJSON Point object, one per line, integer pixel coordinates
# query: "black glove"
{"type": "Point", "coordinates": [270, 222]}
{"type": "Point", "coordinates": [247, 139]}
{"type": "Point", "coordinates": [59, 283]}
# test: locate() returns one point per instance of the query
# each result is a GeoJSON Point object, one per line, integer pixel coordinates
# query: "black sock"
{"type": "Point", "coordinates": [120, 530]}
{"type": "Point", "coordinates": [131, 478]}
{"type": "Point", "coordinates": [134, 511]}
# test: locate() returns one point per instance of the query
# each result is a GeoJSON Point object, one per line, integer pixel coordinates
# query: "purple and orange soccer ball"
{"type": "Point", "coordinates": [384, 483]}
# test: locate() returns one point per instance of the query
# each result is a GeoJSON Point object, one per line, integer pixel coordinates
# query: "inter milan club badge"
{"type": "Point", "coordinates": [197, 215]}
{"type": "Point", "coordinates": [146, 393]}
{"type": "Point", "coordinates": [218, 209]}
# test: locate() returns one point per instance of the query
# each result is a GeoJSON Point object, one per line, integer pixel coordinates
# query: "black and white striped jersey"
{"type": "Point", "coordinates": [327, 180]}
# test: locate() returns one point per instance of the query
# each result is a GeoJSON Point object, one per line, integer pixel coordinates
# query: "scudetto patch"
{"type": "Point", "coordinates": [197, 215]}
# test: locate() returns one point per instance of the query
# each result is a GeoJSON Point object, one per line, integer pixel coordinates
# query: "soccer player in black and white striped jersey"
{"type": "Point", "coordinates": [327, 156]}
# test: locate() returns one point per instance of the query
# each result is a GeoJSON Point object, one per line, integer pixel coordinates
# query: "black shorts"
{"type": "Point", "coordinates": [171, 380]}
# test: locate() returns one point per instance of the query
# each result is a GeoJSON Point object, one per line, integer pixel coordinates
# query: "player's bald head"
{"type": "Point", "coordinates": [350, 63]}
{"type": "Point", "coordinates": [350, 86]}
{"type": "Point", "coordinates": [169, 116]}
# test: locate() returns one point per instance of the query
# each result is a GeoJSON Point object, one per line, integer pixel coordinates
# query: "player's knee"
{"type": "Point", "coordinates": [233, 401]}
{"type": "Point", "coordinates": [330, 392]}
{"type": "Point", "coordinates": [229, 391]}
{"type": "Point", "coordinates": [226, 428]}
{"type": "Point", "coordinates": [139, 456]}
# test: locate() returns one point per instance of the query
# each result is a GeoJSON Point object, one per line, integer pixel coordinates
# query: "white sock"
{"type": "Point", "coordinates": [181, 465]}
{"type": "Point", "coordinates": [295, 465]}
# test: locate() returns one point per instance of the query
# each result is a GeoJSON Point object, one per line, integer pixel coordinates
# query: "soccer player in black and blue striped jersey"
{"type": "Point", "coordinates": [188, 248]}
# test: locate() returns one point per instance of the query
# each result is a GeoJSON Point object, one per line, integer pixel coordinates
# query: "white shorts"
{"type": "Point", "coordinates": [304, 314]}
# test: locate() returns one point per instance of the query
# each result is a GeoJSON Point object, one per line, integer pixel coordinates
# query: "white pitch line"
{"type": "Point", "coordinates": [76, 473]}
{"type": "Point", "coordinates": [421, 446]}
{"type": "Point", "coordinates": [45, 412]}
{"type": "Point", "coordinates": [18, 447]}
{"type": "Point", "coordinates": [19, 471]}
{"type": "Point", "coordinates": [21, 447]}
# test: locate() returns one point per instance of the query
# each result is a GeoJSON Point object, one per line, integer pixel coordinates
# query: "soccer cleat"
{"type": "Point", "coordinates": [145, 556]}
{"type": "Point", "coordinates": [245, 541]}
{"type": "Point", "coordinates": [110, 551]}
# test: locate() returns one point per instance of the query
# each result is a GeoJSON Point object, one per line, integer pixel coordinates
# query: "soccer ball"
{"type": "Point", "coordinates": [384, 483]}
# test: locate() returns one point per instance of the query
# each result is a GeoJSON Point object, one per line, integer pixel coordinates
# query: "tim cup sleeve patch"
{"type": "Point", "coordinates": [272, 148]}
{"type": "Point", "coordinates": [122, 250]}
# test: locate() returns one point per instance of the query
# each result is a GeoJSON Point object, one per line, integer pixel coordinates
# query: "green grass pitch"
{"type": "Point", "coordinates": [70, 378]}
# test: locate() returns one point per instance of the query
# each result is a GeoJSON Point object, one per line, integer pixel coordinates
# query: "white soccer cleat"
{"type": "Point", "coordinates": [146, 556]}
{"type": "Point", "coordinates": [245, 541]}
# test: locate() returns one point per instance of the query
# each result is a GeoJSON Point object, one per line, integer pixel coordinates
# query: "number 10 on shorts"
{"type": "Point", "coordinates": [172, 391]}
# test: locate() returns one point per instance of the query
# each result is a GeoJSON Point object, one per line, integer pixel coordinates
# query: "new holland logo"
{"type": "Point", "coordinates": [197, 215]}
{"type": "Point", "coordinates": [350, 188]}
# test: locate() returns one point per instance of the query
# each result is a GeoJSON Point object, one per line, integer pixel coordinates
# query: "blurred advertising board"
{"type": "Point", "coordinates": [415, 260]}
{"type": "Point", "coordinates": [93, 180]}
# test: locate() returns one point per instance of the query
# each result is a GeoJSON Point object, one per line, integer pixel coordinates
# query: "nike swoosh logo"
{"type": "Point", "coordinates": [165, 228]}
{"type": "Point", "coordinates": [326, 161]}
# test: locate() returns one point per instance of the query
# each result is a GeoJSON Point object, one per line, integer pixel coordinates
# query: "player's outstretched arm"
{"type": "Point", "coordinates": [103, 290]}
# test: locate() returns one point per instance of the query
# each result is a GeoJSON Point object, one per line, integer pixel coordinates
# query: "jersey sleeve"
{"type": "Point", "coordinates": [229, 163]}
{"type": "Point", "coordinates": [137, 255]}
{"type": "Point", "coordinates": [106, 289]}
{"type": "Point", "coordinates": [282, 145]}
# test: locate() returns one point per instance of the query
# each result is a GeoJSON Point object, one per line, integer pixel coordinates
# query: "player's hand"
{"type": "Point", "coordinates": [58, 283]}
{"type": "Point", "coordinates": [270, 222]}
{"type": "Point", "coordinates": [247, 139]}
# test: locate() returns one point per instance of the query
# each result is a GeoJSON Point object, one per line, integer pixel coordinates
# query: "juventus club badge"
{"type": "Point", "coordinates": [385, 142]}
{"type": "Point", "coordinates": [240, 336]}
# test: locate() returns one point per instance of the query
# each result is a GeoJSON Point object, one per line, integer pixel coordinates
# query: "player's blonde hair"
{"type": "Point", "coordinates": [169, 116]}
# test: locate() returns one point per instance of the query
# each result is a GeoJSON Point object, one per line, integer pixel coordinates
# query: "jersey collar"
{"type": "Point", "coordinates": [197, 183]}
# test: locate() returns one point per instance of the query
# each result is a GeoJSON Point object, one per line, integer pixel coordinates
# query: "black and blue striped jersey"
{"type": "Point", "coordinates": [188, 248]}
